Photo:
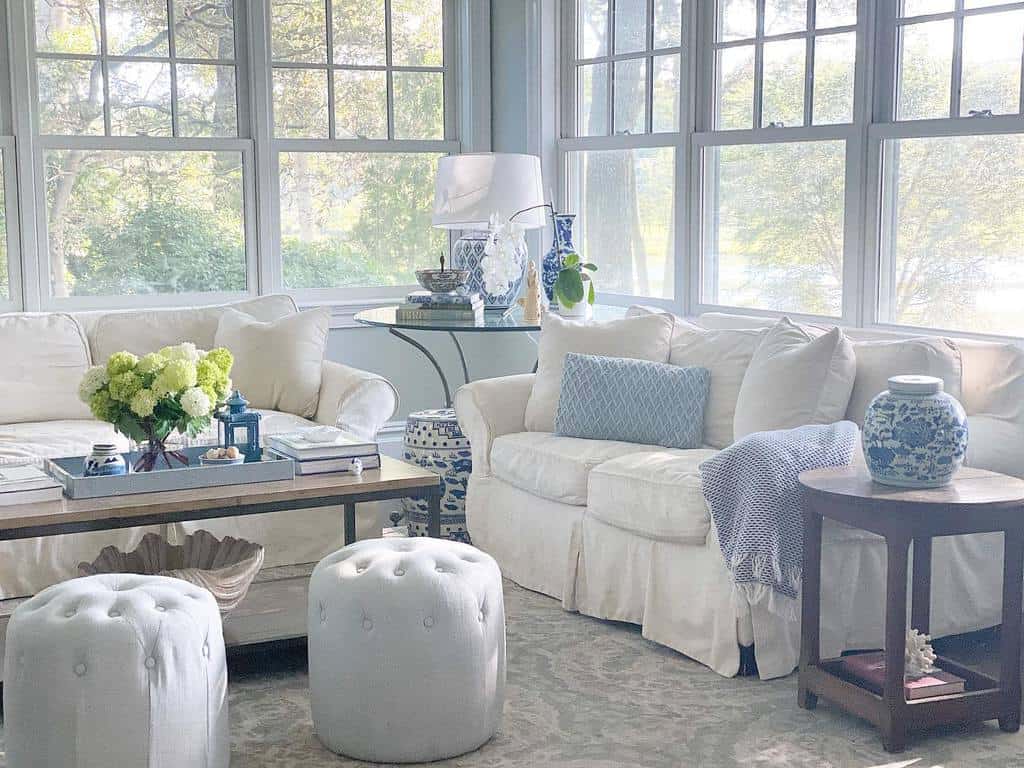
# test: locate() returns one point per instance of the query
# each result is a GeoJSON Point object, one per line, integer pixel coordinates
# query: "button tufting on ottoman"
{"type": "Point", "coordinates": [406, 649]}
{"type": "Point", "coordinates": [116, 670]}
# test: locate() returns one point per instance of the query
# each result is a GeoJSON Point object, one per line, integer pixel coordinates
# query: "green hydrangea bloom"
{"type": "Point", "coordinates": [121, 362]}
{"type": "Point", "coordinates": [222, 358]}
{"type": "Point", "coordinates": [176, 376]}
{"type": "Point", "coordinates": [104, 407]}
{"type": "Point", "coordinates": [124, 386]}
{"type": "Point", "coordinates": [150, 364]}
{"type": "Point", "coordinates": [209, 374]}
{"type": "Point", "coordinates": [143, 403]}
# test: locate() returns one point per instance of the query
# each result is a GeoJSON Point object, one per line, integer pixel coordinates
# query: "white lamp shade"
{"type": "Point", "coordinates": [470, 188]}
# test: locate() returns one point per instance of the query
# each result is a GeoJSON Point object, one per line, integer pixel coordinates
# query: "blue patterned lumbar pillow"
{"type": "Point", "coordinates": [612, 398]}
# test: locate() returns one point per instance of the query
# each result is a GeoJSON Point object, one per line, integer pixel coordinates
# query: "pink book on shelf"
{"type": "Point", "coordinates": [869, 669]}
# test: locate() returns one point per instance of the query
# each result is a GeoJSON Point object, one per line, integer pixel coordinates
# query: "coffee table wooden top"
{"type": "Point", "coordinates": [390, 480]}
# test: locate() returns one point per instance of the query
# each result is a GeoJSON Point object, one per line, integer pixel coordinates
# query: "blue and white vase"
{"type": "Point", "coordinates": [915, 435]}
{"type": "Point", "coordinates": [468, 254]}
{"type": "Point", "coordinates": [561, 245]}
{"type": "Point", "coordinates": [104, 460]}
{"type": "Point", "coordinates": [434, 441]}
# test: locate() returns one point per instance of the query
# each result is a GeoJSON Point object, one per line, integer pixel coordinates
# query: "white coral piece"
{"type": "Point", "coordinates": [919, 658]}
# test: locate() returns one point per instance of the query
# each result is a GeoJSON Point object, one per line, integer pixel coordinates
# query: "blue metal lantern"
{"type": "Point", "coordinates": [240, 427]}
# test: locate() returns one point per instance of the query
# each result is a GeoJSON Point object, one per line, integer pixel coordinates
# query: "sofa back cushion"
{"type": "Point", "coordinates": [796, 377]}
{"type": "Point", "coordinates": [993, 396]}
{"type": "Point", "coordinates": [278, 365]}
{"type": "Point", "coordinates": [726, 354]}
{"type": "Point", "coordinates": [44, 357]}
{"type": "Point", "coordinates": [878, 360]}
{"type": "Point", "coordinates": [636, 401]}
{"type": "Point", "coordinates": [639, 338]}
{"type": "Point", "coordinates": [147, 331]}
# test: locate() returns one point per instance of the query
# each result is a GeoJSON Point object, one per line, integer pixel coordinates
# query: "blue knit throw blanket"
{"type": "Point", "coordinates": [754, 497]}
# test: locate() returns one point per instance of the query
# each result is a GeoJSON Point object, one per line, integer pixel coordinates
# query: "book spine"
{"type": "Point", "coordinates": [353, 452]}
{"type": "Point", "coordinates": [438, 314]}
{"type": "Point", "coordinates": [444, 299]}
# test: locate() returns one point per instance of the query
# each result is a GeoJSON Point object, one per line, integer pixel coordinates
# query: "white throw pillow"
{"type": "Point", "coordinates": [727, 355]}
{"type": "Point", "coordinates": [44, 357]}
{"type": "Point", "coordinates": [878, 360]}
{"type": "Point", "coordinates": [278, 365]}
{"type": "Point", "coordinates": [795, 378]}
{"type": "Point", "coordinates": [640, 338]}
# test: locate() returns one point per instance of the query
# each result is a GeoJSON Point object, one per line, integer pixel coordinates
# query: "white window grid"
{"type": "Point", "coordinates": [873, 124]}
{"type": "Point", "coordinates": [810, 35]}
{"type": "Point", "coordinates": [466, 114]}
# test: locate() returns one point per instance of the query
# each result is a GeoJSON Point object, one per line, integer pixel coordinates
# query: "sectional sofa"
{"type": "Point", "coordinates": [621, 531]}
{"type": "Point", "coordinates": [44, 356]}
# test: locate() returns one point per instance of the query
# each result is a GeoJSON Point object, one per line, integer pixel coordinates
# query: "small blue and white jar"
{"type": "Point", "coordinates": [914, 435]}
{"type": "Point", "coordinates": [105, 460]}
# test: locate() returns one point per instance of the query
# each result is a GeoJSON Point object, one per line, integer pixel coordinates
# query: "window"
{"type": "Point", "coordinates": [951, 256]}
{"type": "Point", "coordinates": [362, 105]}
{"type": "Point", "coordinates": [140, 195]}
{"type": "Point", "coordinates": [622, 114]}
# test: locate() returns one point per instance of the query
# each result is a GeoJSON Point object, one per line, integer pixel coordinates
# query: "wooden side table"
{"type": "Point", "coordinates": [976, 502]}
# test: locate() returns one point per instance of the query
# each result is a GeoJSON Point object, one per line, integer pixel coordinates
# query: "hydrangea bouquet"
{"type": "Point", "coordinates": [148, 398]}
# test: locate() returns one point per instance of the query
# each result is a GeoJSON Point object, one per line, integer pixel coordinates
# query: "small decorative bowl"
{"type": "Point", "coordinates": [442, 280]}
{"type": "Point", "coordinates": [221, 462]}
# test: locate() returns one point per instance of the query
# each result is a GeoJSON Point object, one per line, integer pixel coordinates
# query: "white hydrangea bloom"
{"type": "Point", "coordinates": [184, 351]}
{"type": "Point", "coordinates": [195, 403]}
{"type": "Point", "coordinates": [92, 382]}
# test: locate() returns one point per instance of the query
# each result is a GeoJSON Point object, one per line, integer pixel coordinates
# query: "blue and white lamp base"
{"type": "Point", "coordinates": [468, 253]}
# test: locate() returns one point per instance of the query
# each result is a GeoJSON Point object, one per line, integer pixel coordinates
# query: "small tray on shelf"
{"type": "Point", "coordinates": [69, 472]}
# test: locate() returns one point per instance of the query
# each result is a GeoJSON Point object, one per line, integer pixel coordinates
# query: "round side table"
{"type": "Point", "coordinates": [976, 501]}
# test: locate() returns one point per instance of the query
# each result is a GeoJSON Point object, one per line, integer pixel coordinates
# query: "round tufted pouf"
{"type": "Point", "coordinates": [406, 649]}
{"type": "Point", "coordinates": [116, 670]}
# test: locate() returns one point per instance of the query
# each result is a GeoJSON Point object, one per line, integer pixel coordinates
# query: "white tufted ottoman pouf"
{"type": "Point", "coordinates": [406, 649]}
{"type": "Point", "coordinates": [116, 670]}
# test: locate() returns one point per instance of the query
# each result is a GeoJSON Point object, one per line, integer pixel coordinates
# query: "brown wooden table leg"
{"type": "Point", "coordinates": [810, 608]}
{"type": "Point", "coordinates": [894, 732]}
{"type": "Point", "coordinates": [350, 523]}
{"type": "Point", "coordinates": [921, 585]}
{"type": "Point", "coordinates": [1009, 652]}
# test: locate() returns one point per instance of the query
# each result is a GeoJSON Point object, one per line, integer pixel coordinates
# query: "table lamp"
{"type": "Point", "coordinates": [470, 189]}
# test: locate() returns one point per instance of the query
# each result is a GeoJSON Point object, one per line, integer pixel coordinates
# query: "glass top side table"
{"type": "Point", "coordinates": [493, 322]}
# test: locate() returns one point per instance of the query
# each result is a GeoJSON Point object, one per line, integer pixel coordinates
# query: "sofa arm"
{"type": "Point", "coordinates": [490, 408]}
{"type": "Point", "coordinates": [356, 401]}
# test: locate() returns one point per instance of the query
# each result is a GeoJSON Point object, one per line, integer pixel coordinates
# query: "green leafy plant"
{"type": "Point", "coordinates": [569, 285]}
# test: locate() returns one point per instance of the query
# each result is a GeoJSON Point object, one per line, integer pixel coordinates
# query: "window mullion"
{"type": "Point", "coordinates": [759, 65]}
{"type": "Point", "coordinates": [958, 58]}
{"type": "Point", "coordinates": [389, 61]}
{"type": "Point", "coordinates": [172, 52]}
{"type": "Point", "coordinates": [329, 22]}
{"type": "Point", "coordinates": [649, 82]}
{"type": "Point", "coordinates": [104, 68]}
{"type": "Point", "coordinates": [809, 64]}
{"type": "Point", "coordinates": [610, 74]}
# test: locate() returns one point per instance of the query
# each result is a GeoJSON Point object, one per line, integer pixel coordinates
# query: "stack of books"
{"type": "Point", "coordinates": [316, 458]}
{"type": "Point", "coordinates": [456, 306]}
{"type": "Point", "coordinates": [868, 671]}
{"type": "Point", "coordinates": [27, 484]}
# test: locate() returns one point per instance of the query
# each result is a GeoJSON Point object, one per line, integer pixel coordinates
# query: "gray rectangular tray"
{"type": "Point", "coordinates": [69, 473]}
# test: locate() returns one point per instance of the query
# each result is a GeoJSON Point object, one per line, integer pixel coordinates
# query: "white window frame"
{"type": "Point", "coordinates": [467, 127]}
{"type": "Point", "coordinates": [455, 11]}
{"type": "Point", "coordinates": [873, 123]}
{"type": "Point", "coordinates": [678, 140]}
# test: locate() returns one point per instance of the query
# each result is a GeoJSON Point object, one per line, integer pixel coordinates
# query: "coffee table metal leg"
{"type": "Point", "coordinates": [434, 515]}
{"type": "Point", "coordinates": [1010, 640]}
{"type": "Point", "coordinates": [350, 522]}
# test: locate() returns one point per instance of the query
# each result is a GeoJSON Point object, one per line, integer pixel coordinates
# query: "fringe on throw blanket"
{"type": "Point", "coordinates": [753, 493]}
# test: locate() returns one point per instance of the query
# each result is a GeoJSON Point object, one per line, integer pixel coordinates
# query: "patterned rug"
{"type": "Point", "coordinates": [590, 694]}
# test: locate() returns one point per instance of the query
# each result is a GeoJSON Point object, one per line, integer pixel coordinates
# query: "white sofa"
{"type": "Point", "coordinates": [40, 417]}
{"type": "Point", "coordinates": [621, 531]}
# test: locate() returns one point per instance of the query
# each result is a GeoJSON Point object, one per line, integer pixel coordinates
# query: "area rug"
{"type": "Point", "coordinates": [584, 693]}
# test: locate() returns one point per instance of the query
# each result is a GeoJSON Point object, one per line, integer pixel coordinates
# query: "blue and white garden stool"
{"type": "Point", "coordinates": [434, 441]}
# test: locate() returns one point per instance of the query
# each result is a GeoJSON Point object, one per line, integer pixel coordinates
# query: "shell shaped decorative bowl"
{"type": "Point", "coordinates": [225, 567]}
{"type": "Point", "coordinates": [442, 280]}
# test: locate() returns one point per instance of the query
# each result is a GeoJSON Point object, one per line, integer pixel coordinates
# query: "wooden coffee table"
{"type": "Point", "coordinates": [394, 480]}
{"type": "Point", "coordinates": [976, 502]}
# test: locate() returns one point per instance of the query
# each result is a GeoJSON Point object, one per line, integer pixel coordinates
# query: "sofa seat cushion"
{"type": "Point", "coordinates": [553, 466]}
{"type": "Point", "coordinates": [654, 494]}
{"type": "Point", "coordinates": [38, 440]}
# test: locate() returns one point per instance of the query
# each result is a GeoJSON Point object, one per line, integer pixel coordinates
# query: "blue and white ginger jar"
{"type": "Point", "coordinates": [915, 435]}
{"type": "Point", "coordinates": [104, 460]}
